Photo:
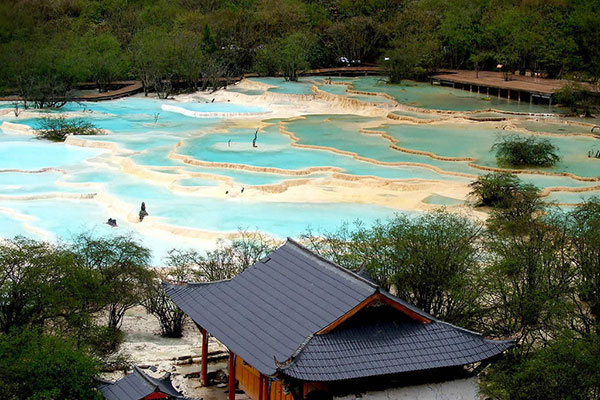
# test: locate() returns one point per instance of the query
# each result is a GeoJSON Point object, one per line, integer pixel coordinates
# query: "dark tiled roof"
{"type": "Point", "coordinates": [270, 309]}
{"type": "Point", "coordinates": [389, 348]}
{"type": "Point", "coordinates": [138, 385]}
{"type": "Point", "coordinates": [273, 310]}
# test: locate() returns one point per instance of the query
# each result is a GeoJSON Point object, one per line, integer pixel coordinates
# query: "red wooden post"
{"type": "Point", "coordinates": [265, 395]}
{"type": "Point", "coordinates": [231, 376]}
{"type": "Point", "coordinates": [260, 387]}
{"type": "Point", "coordinates": [204, 368]}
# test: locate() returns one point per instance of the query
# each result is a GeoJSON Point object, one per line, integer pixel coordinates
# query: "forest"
{"type": "Point", "coordinates": [50, 45]}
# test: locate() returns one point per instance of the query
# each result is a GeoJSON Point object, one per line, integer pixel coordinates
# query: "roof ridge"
{"type": "Point", "coordinates": [339, 267]}
{"type": "Point", "coordinates": [207, 283]}
{"type": "Point", "coordinates": [460, 328]}
{"type": "Point", "coordinates": [147, 378]}
{"type": "Point", "coordinates": [287, 363]}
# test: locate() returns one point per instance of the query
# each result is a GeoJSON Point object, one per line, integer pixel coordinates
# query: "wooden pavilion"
{"type": "Point", "coordinates": [298, 326]}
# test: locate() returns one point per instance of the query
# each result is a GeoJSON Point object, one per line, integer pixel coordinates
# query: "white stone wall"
{"type": "Point", "coordinates": [459, 389]}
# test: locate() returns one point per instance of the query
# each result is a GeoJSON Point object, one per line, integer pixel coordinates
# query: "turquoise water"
{"type": "Point", "coordinates": [439, 200]}
{"type": "Point", "coordinates": [429, 96]}
{"type": "Point", "coordinates": [33, 154]}
{"type": "Point", "coordinates": [474, 140]}
{"type": "Point", "coordinates": [248, 92]}
{"type": "Point", "coordinates": [303, 86]}
{"type": "Point", "coordinates": [560, 128]}
{"type": "Point", "coordinates": [146, 134]}
{"type": "Point", "coordinates": [342, 132]}
{"type": "Point", "coordinates": [340, 90]}
{"type": "Point", "coordinates": [572, 198]}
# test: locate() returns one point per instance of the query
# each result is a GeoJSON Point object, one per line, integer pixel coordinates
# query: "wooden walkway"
{"type": "Point", "coordinates": [345, 71]}
{"type": "Point", "coordinates": [493, 83]}
{"type": "Point", "coordinates": [129, 88]}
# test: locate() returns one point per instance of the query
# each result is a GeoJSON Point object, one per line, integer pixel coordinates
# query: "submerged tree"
{"type": "Point", "coordinates": [515, 150]}
{"type": "Point", "coordinates": [57, 128]}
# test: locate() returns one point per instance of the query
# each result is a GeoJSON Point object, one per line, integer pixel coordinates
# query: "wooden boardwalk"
{"type": "Point", "coordinates": [129, 88]}
{"type": "Point", "coordinates": [365, 70]}
{"type": "Point", "coordinates": [540, 86]}
{"type": "Point", "coordinates": [493, 83]}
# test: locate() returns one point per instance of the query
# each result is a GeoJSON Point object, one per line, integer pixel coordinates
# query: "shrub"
{"type": "Point", "coordinates": [58, 128]}
{"type": "Point", "coordinates": [499, 189]}
{"type": "Point", "coordinates": [577, 97]}
{"type": "Point", "coordinates": [517, 150]}
{"type": "Point", "coordinates": [37, 366]}
{"type": "Point", "coordinates": [567, 368]}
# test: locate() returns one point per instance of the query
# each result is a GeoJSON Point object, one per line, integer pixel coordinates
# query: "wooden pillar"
{"type": "Point", "coordinates": [488, 92]}
{"type": "Point", "coordinates": [509, 94]}
{"type": "Point", "coordinates": [498, 92]}
{"type": "Point", "coordinates": [550, 101]}
{"type": "Point", "coordinates": [231, 394]}
{"type": "Point", "coordinates": [265, 386]}
{"type": "Point", "coordinates": [261, 382]}
{"type": "Point", "coordinates": [453, 85]}
{"type": "Point", "coordinates": [478, 89]}
{"type": "Point", "coordinates": [519, 96]}
{"type": "Point", "coordinates": [204, 367]}
{"type": "Point", "coordinates": [530, 98]}
{"type": "Point", "coordinates": [470, 88]}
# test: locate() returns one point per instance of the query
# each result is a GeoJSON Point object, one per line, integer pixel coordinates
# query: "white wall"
{"type": "Point", "coordinates": [460, 389]}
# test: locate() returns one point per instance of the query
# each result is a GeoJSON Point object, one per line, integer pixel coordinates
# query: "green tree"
{"type": "Point", "coordinates": [460, 30]}
{"type": "Point", "coordinates": [412, 58]}
{"type": "Point", "coordinates": [42, 286]}
{"type": "Point", "coordinates": [515, 150]}
{"type": "Point", "coordinates": [500, 189]}
{"type": "Point", "coordinates": [355, 38]}
{"type": "Point", "coordinates": [105, 59]}
{"type": "Point", "coordinates": [292, 54]}
{"type": "Point", "coordinates": [36, 366]}
{"type": "Point", "coordinates": [431, 261]}
{"type": "Point", "coordinates": [567, 368]}
{"type": "Point", "coordinates": [151, 54]}
{"type": "Point", "coordinates": [122, 264]}
{"type": "Point", "coordinates": [585, 237]}
{"type": "Point", "coordinates": [44, 71]}
{"type": "Point", "coordinates": [528, 276]}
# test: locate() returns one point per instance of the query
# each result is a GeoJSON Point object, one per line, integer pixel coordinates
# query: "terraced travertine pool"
{"type": "Point", "coordinates": [325, 154]}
